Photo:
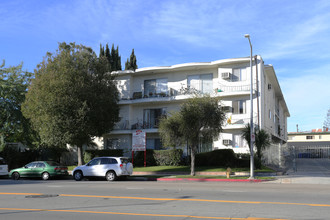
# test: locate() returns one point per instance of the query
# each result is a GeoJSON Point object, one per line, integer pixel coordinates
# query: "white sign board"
{"type": "Point", "coordinates": [253, 137]}
{"type": "Point", "coordinates": [139, 141]}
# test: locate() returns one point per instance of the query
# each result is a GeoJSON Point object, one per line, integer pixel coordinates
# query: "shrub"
{"type": "Point", "coordinates": [139, 158]}
{"type": "Point", "coordinates": [52, 153]}
{"type": "Point", "coordinates": [171, 157]}
{"type": "Point", "coordinates": [222, 157]}
{"type": "Point", "coordinates": [15, 158]}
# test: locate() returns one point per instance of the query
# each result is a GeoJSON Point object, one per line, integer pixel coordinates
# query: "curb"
{"type": "Point", "coordinates": [170, 179]}
{"type": "Point", "coordinates": [206, 180]}
{"type": "Point", "coordinates": [162, 179]}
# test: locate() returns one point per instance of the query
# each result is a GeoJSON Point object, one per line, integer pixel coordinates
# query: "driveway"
{"type": "Point", "coordinates": [308, 171]}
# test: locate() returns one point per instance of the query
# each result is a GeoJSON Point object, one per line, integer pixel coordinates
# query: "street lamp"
{"type": "Point", "coordinates": [252, 137]}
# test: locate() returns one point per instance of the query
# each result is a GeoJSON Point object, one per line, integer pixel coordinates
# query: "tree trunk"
{"type": "Point", "coordinates": [80, 155]}
{"type": "Point", "coordinates": [192, 164]}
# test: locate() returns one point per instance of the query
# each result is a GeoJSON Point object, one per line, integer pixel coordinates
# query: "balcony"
{"type": "Point", "coordinates": [170, 95]}
{"type": "Point", "coordinates": [234, 89]}
{"type": "Point", "coordinates": [124, 127]}
{"type": "Point", "coordinates": [237, 121]}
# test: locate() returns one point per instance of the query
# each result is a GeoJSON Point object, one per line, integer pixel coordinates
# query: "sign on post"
{"type": "Point", "coordinates": [139, 141]}
{"type": "Point", "coordinates": [139, 144]}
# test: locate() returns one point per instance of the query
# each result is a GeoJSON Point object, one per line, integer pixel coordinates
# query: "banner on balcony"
{"type": "Point", "coordinates": [139, 141]}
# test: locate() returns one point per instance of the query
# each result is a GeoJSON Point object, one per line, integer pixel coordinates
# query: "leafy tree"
{"type": "Point", "coordinates": [13, 86]}
{"type": "Point", "coordinates": [131, 62]}
{"type": "Point", "coordinates": [72, 98]}
{"type": "Point", "coordinates": [169, 129]}
{"type": "Point", "coordinates": [199, 117]}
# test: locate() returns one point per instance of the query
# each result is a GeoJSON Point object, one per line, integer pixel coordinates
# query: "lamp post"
{"type": "Point", "coordinates": [252, 137]}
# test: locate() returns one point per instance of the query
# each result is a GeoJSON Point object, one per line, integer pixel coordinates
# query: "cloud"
{"type": "Point", "coordinates": [300, 40]}
{"type": "Point", "coordinates": [198, 23]}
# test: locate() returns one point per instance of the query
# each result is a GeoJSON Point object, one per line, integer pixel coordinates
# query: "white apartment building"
{"type": "Point", "coordinates": [148, 93]}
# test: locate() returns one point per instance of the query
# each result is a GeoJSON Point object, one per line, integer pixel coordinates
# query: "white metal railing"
{"type": "Point", "coordinates": [235, 88]}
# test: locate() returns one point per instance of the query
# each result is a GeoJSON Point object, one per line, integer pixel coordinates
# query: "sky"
{"type": "Point", "coordinates": [292, 35]}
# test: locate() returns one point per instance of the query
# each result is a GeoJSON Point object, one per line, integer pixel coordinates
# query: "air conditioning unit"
{"type": "Point", "coordinates": [226, 142]}
{"type": "Point", "coordinates": [226, 108]}
{"type": "Point", "coordinates": [225, 75]}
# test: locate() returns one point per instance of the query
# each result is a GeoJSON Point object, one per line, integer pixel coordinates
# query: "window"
{"type": "Point", "coordinates": [309, 137]}
{"type": "Point", "coordinates": [112, 143]}
{"type": "Point", "coordinates": [154, 87]}
{"type": "Point", "coordinates": [108, 161]}
{"type": "Point", "coordinates": [94, 162]}
{"type": "Point", "coordinates": [31, 165]}
{"type": "Point", "coordinates": [41, 165]}
{"type": "Point", "coordinates": [151, 117]}
{"type": "Point", "coordinates": [238, 141]}
{"type": "Point", "coordinates": [154, 143]}
{"type": "Point", "coordinates": [239, 107]}
{"type": "Point", "coordinates": [201, 83]}
{"type": "Point", "coordinates": [238, 75]}
{"type": "Point", "coordinates": [205, 145]}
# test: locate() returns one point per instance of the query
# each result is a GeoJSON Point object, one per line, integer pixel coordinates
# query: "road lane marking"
{"type": "Point", "coordinates": [176, 199]}
{"type": "Point", "coordinates": [24, 194]}
{"type": "Point", "coordinates": [137, 214]}
{"type": "Point", "coordinates": [194, 200]}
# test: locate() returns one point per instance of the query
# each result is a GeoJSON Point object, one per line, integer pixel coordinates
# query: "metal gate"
{"type": "Point", "coordinates": [312, 152]}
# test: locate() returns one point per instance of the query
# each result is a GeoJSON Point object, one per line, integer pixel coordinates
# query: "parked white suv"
{"type": "Point", "coordinates": [108, 167]}
{"type": "Point", "coordinates": [3, 167]}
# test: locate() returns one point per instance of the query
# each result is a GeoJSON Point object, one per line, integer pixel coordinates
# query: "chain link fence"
{"type": "Point", "coordinates": [278, 157]}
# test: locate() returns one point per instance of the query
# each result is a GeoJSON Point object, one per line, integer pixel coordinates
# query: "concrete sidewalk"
{"type": "Point", "coordinates": [171, 177]}
{"type": "Point", "coordinates": [308, 171]}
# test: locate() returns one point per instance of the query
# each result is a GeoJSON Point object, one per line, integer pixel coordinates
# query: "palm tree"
{"type": "Point", "coordinates": [246, 134]}
{"type": "Point", "coordinates": [262, 139]}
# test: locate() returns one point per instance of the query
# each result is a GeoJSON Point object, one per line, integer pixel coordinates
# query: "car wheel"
{"type": "Point", "coordinates": [111, 176]}
{"type": "Point", "coordinates": [45, 176]}
{"type": "Point", "coordinates": [15, 176]}
{"type": "Point", "coordinates": [78, 175]}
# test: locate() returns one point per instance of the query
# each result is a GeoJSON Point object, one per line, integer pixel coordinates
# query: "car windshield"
{"type": "Point", "coordinates": [52, 163]}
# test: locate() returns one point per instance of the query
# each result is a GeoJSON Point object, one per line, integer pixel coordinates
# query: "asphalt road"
{"type": "Point", "coordinates": [141, 200]}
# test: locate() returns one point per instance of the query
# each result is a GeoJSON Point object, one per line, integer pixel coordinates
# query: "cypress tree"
{"type": "Point", "coordinates": [131, 63]}
{"type": "Point", "coordinates": [101, 51]}
{"type": "Point", "coordinates": [118, 61]}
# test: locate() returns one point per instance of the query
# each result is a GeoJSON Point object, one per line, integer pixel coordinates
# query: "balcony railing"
{"type": "Point", "coordinates": [125, 125]}
{"type": "Point", "coordinates": [235, 88]}
{"type": "Point", "coordinates": [169, 93]}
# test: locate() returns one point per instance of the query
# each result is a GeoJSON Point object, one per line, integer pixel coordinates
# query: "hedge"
{"type": "Point", "coordinates": [15, 158]}
{"type": "Point", "coordinates": [90, 154]}
{"type": "Point", "coordinates": [224, 158]}
{"type": "Point", "coordinates": [171, 157]}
